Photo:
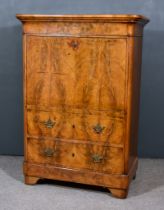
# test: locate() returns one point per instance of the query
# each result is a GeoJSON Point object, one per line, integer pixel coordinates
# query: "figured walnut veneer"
{"type": "Point", "coordinates": [81, 98]}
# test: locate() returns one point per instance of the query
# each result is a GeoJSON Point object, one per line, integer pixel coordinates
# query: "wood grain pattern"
{"type": "Point", "coordinates": [31, 180]}
{"type": "Point", "coordinates": [120, 18]}
{"type": "Point", "coordinates": [76, 29]}
{"type": "Point", "coordinates": [76, 155]}
{"type": "Point", "coordinates": [133, 95]}
{"type": "Point", "coordinates": [119, 193]}
{"type": "Point", "coordinates": [76, 126]}
{"type": "Point", "coordinates": [83, 25]}
{"type": "Point", "coordinates": [76, 77]}
{"type": "Point", "coordinates": [81, 98]}
{"type": "Point", "coordinates": [113, 181]}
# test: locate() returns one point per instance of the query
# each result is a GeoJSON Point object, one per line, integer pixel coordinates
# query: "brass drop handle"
{"type": "Point", "coordinates": [97, 158]}
{"type": "Point", "coordinates": [98, 128]}
{"type": "Point", "coordinates": [49, 152]}
{"type": "Point", "coordinates": [49, 123]}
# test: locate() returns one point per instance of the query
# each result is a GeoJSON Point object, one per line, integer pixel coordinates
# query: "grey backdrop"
{"type": "Point", "coordinates": [151, 129]}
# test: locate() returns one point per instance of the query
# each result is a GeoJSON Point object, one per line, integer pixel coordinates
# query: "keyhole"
{"type": "Point", "coordinates": [73, 155]}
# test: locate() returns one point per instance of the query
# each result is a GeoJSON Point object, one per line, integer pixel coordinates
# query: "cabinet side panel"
{"type": "Point", "coordinates": [24, 95]}
{"type": "Point", "coordinates": [135, 98]}
{"type": "Point", "coordinates": [134, 65]}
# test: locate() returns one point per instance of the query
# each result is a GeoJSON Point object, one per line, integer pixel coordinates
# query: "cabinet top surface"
{"type": "Point", "coordinates": [84, 18]}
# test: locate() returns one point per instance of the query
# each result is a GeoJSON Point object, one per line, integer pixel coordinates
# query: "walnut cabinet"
{"type": "Point", "coordinates": [81, 98]}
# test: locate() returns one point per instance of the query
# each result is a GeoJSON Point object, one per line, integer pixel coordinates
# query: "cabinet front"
{"type": "Point", "coordinates": [76, 73]}
{"type": "Point", "coordinates": [81, 96]}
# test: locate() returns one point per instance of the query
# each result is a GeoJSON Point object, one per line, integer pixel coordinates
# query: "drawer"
{"type": "Point", "coordinates": [76, 155]}
{"type": "Point", "coordinates": [87, 127]}
{"type": "Point", "coordinates": [76, 29]}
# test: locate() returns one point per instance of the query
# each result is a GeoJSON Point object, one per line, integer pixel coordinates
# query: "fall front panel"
{"type": "Point", "coordinates": [82, 73]}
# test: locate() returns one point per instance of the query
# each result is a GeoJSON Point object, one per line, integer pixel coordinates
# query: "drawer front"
{"type": "Point", "coordinates": [77, 28]}
{"type": "Point", "coordinates": [74, 155]}
{"type": "Point", "coordinates": [71, 126]}
{"type": "Point", "coordinates": [85, 73]}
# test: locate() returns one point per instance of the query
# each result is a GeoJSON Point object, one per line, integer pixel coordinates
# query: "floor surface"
{"type": "Point", "coordinates": [146, 192]}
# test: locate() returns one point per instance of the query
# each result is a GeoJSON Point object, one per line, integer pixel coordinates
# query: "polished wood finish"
{"type": "Point", "coordinates": [31, 180]}
{"type": "Point", "coordinates": [81, 98]}
{"type": "Point", "coordinates": [76, 155]}
{"type": "Point", "coordinates": [119, 193]}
